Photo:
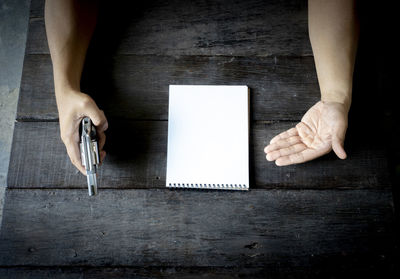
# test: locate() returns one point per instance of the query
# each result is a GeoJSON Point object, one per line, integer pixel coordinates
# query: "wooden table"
{"type": "Point", "coordinates": [325, 217]}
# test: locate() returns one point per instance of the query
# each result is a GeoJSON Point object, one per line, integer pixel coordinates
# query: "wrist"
{"type": "Point", "coordinates": [64, 89]}
{"type": "Point", "coordinates": [343, 98]}
{"type": "Point", "coordinates": [65, 83]}
{"type": "Point", "coordinates": [68, 98]}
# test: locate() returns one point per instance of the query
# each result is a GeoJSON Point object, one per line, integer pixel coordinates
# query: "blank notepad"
{"type": "Point", "coordinates": [208, 137]}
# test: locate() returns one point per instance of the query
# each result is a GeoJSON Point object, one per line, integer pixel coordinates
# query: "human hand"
{"type": "Point", "coordinates": [321, 129]}
{"type": "Point", "coordinates": [72, 107]}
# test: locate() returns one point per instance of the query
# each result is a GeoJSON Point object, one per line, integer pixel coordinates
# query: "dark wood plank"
{"type": "Point", "coordinates": [379, 269]}
{"type": "Point", "coordinates": [137, 156]}
{"type": "Point", "coordinates": [37, 8]}
{"type": "Point", "coordinates": [36, 98]}
{"type": "Point", "coordinates": [137, 159]}
{"type": "Point", "coordinates": [196, 228]}
{"type": "Point", "coordinates": [178, 27]}
{"type": "Point", "coordinates": [136, 87]}
{"type": "Point", "coordinates": [145, 272]}
{"type": "Point", "coordinates": [128, 272]}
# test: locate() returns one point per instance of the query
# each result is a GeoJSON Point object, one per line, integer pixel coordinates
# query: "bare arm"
{"type": "Point", "coordinates": [333, 30]}
{"type": "Point", "coordinates": [69, 27]}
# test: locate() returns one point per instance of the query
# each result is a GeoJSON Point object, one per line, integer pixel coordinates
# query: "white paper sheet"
{"type": "Point", "coordinates": [208, 137]}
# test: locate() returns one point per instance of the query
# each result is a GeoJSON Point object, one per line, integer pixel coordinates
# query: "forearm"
{"type": "Point", "coordinates": [69, 27]}
{"type": "Point", "coordinates": [333, 30]}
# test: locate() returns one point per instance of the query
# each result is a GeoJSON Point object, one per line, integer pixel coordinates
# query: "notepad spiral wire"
{"type": "Point", "coordinates": [208, 186]}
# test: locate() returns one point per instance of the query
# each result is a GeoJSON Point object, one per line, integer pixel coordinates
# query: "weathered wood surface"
{"type": "Point", "coordinates": [326, 269]}
{"type": "Point", "coordinates": [179, 33]}
{"type": "Point", "coordinates": [196, 228]}
{"type": "Point", "coordinates": [329, 217]}
{"type": "Point", "coordinates": [179, 27]}
{"type": "Point", "coordinates": [137, 152]}
{"type": "Point", "coordinates": [136, 87]}
{"type": "Point", "coordinates": [145, 272]}
{"type": "Point", "coordinates": [37, 9]}
{"type": "Point", "coordinates": [141, 272]}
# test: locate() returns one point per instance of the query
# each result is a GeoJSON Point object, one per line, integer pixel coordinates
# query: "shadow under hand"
{"type": "Point", "coordinates": [127, 140]}
{"type": "Point", "coordinates": [374, 115]}
{"type": "Point", "coordinates": [136, 148]}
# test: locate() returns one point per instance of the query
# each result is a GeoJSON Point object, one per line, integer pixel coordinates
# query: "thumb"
{"type": "Point", "coordinates": [338, 144]}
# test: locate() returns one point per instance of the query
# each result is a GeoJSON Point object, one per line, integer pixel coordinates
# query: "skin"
{"type": "Point", "coordinates": [333, 30]}
{"type": "Point", "coordinates": [69, 27]}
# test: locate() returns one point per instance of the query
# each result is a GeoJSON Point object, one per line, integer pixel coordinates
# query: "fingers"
{"type": "Point", "coordinates": [289, 133]}
{"type": "Point", "coordinates": [301, 157]}
{"type": "Point", "coordinates": [289, 148]}
{"type": "Point", "coordinates": [74, 154]}
{"type": "Point", "coordinates": [305, 133]}
{"type": "Point", "coordinates": [100, 121]}
{"type": "Point", "coordinates": [75, 106]}
{"type": "Point", "coordinates": [98, 118]}
{"type": "Point", "coordinates": [286, 142]}
{"type": "Point", "coordinates": [102, 156]}
{"type": "Point", "coordinates": [296, 148]}
{"type": "Point", "coordinates": [102, 141]}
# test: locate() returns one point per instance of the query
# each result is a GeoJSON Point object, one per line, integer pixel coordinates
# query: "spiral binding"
{"type": "Point", "coordinates": [208, 186]}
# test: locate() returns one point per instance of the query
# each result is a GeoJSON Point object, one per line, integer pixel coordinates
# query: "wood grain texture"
{"type": "Point", "coordinates": [148, 272]}
{"type": "Point", "coordinates": [178, 27]}
{"type": "Point", "coordinates": [37, 9]}
{"type": "Point", "coordinates": [136, 87]}
{"type": "Point", "coordinates": [347, 268]}
{"type": "Point", "coordinates": [137, 152]}
{"type": "Point", "coordinates": [138, 272]}
{"type": "Point", "coordinates": [196, 228]}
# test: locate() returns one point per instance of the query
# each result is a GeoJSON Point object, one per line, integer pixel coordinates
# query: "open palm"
{"type": "Point", "coordinates": [321, 129]}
